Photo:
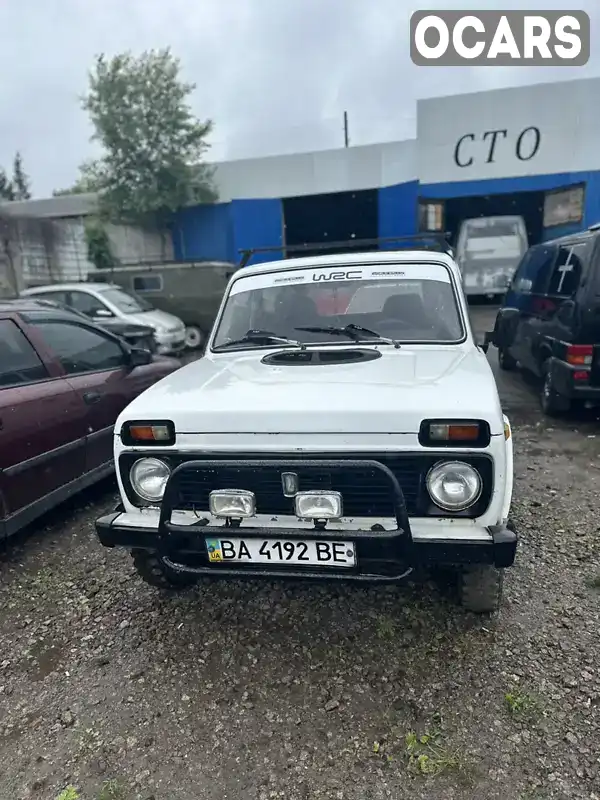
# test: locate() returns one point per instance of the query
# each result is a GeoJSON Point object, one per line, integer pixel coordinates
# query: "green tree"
{"type": "Point", "coordinates": [98, 244]}
{"type": "Point", "coordinates": [20, 181]}
{"type": "Point", "coordinates": [7, 190]}
{"type": "Point", "coordinates": [153, 146]}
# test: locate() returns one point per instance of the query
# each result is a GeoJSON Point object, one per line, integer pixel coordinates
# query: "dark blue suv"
{"type": "Point", "coordinates": [549, 324]}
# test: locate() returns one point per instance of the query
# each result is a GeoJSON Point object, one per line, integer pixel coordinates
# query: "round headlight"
{"type": "Point", "coordinates": [454, 485]}
{"type": "Point", "coordinates": [149, 477]}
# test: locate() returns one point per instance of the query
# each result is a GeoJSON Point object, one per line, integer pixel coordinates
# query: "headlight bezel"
{"type": "Point", "coordinates": [146, 497]}
{"type": "Point", "coordinates": [447, 507]}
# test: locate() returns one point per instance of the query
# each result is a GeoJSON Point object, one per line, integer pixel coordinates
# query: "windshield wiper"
{"type": "Point", "coordinates": [261, 337]}
{"type": "Point", "coordinates": [355, 332]}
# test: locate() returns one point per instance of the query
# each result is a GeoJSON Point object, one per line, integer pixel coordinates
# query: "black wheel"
{"type": "Point", "coordinates": [153, 570]}
{"type": "Point", "coordinates": [552, 403]}
{"type": "Point", "coordinates": [481, 588]}
{"type": "Point", "coordinates": [506, 361]}
{"type": "Point", "coordinates": [194, 337]}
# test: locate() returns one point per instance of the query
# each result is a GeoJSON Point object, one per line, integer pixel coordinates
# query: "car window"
{"type": "Point", "coordinates": [80, 349]}
{"type": "Point", "coordinates": [19, 363]}
{"type": "Point", "coordinates": [568, 270]}
{"type": "Point", "coordinates": [126, 302]}
{"type": "Point", "coordinates": [56, 297]}
{"type": "Point", "coordinates": [533, 273]}
{"type": "Point", "coordinates": [147, 283]}
{"type": "Point", "coordinates": [86, 303]}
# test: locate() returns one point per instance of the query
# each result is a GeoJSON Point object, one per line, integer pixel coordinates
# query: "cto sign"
{"type": "Point", "coordinates": [487, 146]}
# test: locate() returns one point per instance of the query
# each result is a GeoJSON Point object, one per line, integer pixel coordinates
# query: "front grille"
{"type": "Point", "coordinates": [365, 492]}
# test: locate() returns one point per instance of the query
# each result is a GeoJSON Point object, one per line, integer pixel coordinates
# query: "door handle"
{"type": "Point", "coordinates": [92, 397]}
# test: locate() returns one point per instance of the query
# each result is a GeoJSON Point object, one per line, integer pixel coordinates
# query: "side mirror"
{"type": "Point", "coordinates": [102, 313]}
{"type": "Point", "coordinates": [138, 357]}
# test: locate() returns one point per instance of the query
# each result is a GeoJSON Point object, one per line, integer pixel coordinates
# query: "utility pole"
{"type": "Point", "coordinates": [346, 140]}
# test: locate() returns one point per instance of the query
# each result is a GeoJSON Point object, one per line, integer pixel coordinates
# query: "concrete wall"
{"type": "Point", "coordinates": [47, 250]}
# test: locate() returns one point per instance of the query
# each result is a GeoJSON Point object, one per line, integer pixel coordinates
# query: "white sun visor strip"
{"type": "Point", "coordinates": [336, 274]}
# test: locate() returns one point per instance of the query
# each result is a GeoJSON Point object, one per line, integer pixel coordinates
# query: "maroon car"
{"type": "Point", "coordinates": [63, 382]}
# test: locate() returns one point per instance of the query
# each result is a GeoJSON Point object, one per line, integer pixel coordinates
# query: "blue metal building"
{"type": "Point", "coordinates": [529, 150]}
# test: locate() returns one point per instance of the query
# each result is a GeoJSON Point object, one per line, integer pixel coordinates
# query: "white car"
{"type": "Point", "coordinates": [107, 303]}
{"type": "Point", "coordinates": [309, 443]}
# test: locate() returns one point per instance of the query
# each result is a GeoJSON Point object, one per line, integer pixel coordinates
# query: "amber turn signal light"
{"type": "Point", "coordinates": [147, 433]}
{"type": "Point", "coordinates": [454, 433]}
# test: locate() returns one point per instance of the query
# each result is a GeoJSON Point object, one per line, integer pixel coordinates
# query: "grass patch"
{"type": "Point", "coordinates": [70, 793]}
{"type": "Point", "coordinates": [386, 628]}
{"type": "Point", "coordinates": [522, 705]}
{"type": "Point", "coordinates": [112, 790]}
{"type": "Point", "coordinates": [428, 754]}
{"type": "Point", "coordinates": [594, 583]}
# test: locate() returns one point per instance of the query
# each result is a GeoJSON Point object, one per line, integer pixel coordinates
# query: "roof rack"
{"type": "Point", "coordinates": [420, 241]}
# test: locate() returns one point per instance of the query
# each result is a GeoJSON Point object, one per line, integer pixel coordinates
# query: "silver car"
{"type": "Point", "coordinates": [488, 252]}
{"type": "Point", "coordinates": [102, 302]}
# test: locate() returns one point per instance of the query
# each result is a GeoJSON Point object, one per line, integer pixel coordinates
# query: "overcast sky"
{"type": "Point", "coordinates": [274, 75]}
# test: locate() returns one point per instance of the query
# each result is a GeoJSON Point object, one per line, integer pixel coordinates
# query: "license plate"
{"type": "Point", "coordinates": [281, 552]}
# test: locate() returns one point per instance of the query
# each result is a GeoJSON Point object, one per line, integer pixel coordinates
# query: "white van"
{"type": "Point", "coordinates": [488, 252]}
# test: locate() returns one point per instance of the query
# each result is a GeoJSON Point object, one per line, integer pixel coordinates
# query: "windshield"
{"type": "Point", "coordinates": [492, 228]}
{"type": "Point", "coordinates": [384, 300]}
{"type": "Point", "coordinates": [125, 301]}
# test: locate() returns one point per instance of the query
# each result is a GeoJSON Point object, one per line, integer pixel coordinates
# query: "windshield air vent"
{"type": "Point", "coordinates": [292, 358]}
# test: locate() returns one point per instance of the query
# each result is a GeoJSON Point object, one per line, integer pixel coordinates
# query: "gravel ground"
{"type": "Point", "coordinates": [254, 691]}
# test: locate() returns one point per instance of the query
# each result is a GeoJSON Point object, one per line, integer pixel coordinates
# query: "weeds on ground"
{"type": "Point", "coordinates": [386, 628]}
{"type": "Point", "coordinates": [70, 793]}
{"type": "Point", "coordinates": [594, 583]}
{"type": "Point", "coordinates": [428, 754]}
{"type": "Point", "coordinates": [112, 790]}
{"type": "Point", "coordinates": [522, 705]}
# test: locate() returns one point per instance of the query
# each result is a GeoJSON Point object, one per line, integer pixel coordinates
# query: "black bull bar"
{"type": "Point", "coordinates": [381, 555]}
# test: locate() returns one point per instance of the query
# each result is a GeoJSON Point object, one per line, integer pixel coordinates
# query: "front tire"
{"type": "Point", "coordinates": [481, 588]}
{"type": "Point", "coordinates": [194, 337]}
{"type": "Point", "coordinates": [153, 571]}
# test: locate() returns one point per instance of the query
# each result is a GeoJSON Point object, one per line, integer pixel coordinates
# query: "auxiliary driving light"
{"type": "Point", "coordinates": [232, 503]}
{"type": "Point", "coordinates": [318, 505]}
{"type": "Point", "coordinates": [454, 485]}
{"type": "Point", "coordinates": [148, 477]}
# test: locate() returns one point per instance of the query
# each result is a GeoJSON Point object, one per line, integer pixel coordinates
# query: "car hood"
{"type": "Point", "coordinates": [236, 393]}
{"type": "Point", "coordinates": [156, 319]}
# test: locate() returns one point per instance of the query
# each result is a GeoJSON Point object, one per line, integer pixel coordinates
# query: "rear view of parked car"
{"type": "Point", "coordinates": [549, 324]}
{"type": "Point", "coordinates": [63, 383]}
{"type": "Point", "coordinates": [110, 305]}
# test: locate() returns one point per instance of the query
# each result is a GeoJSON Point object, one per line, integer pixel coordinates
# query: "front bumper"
{"type": "Point", "coordinates": [173, 342]}
{"type": "Point", "coordinates": [382, 556]}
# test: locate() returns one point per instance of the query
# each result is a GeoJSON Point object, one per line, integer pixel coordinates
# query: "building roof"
{"type": "Point", "coordinates": [68, 205]}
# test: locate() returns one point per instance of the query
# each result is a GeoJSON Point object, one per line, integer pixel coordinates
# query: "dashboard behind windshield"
{"type": "Point", "coordinates": [406, 310]}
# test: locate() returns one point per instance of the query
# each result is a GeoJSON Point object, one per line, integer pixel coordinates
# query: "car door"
{"type": "Point", "coordinates": [97, 366]}
{"type": "Point", "coordinates": [558, 321]}
{"type": "Point", "coordinates": [528, 295]}
{"type": "Point", "coordinates": [42, 429]}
